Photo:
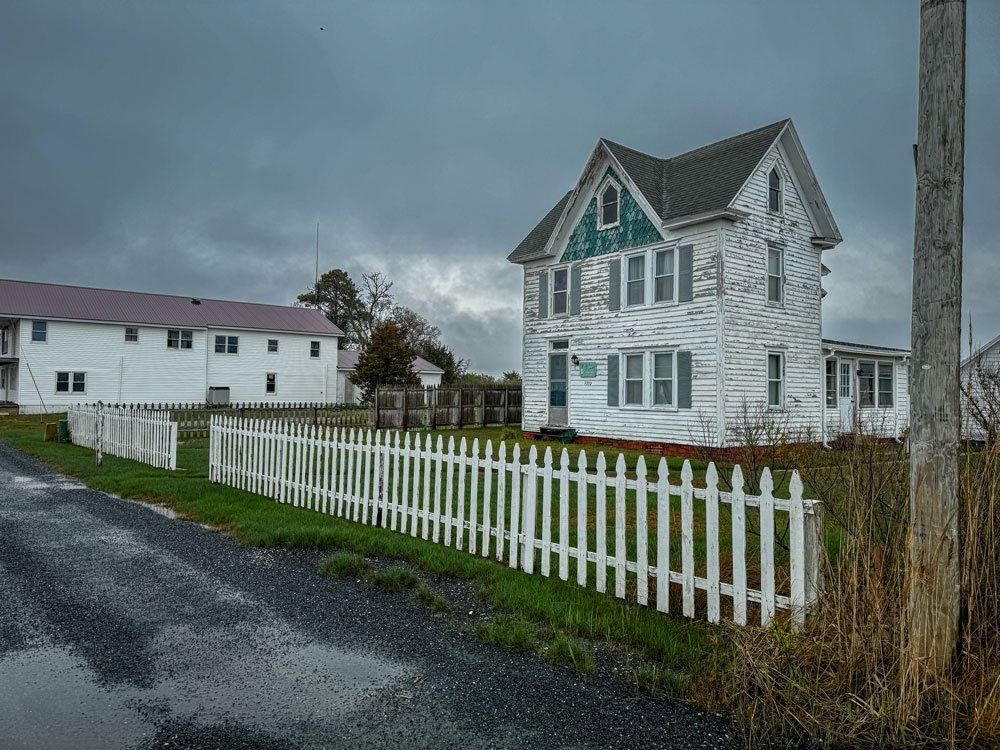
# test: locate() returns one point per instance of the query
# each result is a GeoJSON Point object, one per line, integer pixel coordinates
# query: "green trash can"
{"type": "Point", "coordinates": [63, 426]}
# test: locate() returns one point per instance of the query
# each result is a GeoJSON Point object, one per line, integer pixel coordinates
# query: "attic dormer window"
{"type": "Point", "coordinates": [774, 191]}
{"type": "Point", "coordinates": [609, 199]}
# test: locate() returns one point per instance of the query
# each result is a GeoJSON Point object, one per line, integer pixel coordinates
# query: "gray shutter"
{"type": "Point", "coordinates": [574, 290]}
{"type": "Point", "coordinates": [615, 284]}
{"type": "Point", "coordinates": [685, 271]}
{"type": "Point", "coordinates": [543, 294]}
{"type": "Point", "coordinates": [683, 380]}
{"type": "Point", "coordinates": [612, 380]}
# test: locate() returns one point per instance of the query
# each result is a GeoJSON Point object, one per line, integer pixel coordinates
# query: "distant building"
{"type": "Point", "coordinates": [347, 362]}
{"type": "Point", "coordinates": [661, 295]}
{"type": "Point", "coordinates": [61, 345]}
{"type": "Point", "coordinates": [980, 375]}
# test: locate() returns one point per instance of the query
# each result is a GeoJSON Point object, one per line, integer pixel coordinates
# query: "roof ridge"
{"type": "Point", "coordinates": [157, 294]}
{"type": "Point", "coordinates": [714, 144]}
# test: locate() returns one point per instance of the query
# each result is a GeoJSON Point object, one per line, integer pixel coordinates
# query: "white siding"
{"type": "Point", "coordinates": [149, 372]}
{"type": "Point", "coordinates": [989, 359]}
{"type": "Point", "coordinates": [752, 326]}
{"type": "Point", "coordinates": [888, 421]}
{"type": "Point", "coordinates": [597, 332]}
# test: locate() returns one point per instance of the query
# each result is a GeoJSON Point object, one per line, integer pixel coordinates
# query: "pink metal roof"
{"type": "Point", "coordinates": [348, 360]}
{"type": "Point", "coordinates": [30, 299]}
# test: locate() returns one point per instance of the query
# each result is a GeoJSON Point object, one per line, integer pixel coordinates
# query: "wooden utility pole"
{"type": "Point", "coordinates": [934, 544]}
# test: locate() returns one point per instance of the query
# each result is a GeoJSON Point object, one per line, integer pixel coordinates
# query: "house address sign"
{"type": "Point", "coordinates": [588, 369]}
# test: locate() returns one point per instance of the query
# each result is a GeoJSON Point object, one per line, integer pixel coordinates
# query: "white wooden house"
{"type": "Point", "coordinates": [979, 378]}
{"type": "Point", "coordinates": [430, 375]}
{"type": "Point", "coordinates": [662, 296]}
{"type": "Point", "coordinates": [61, 345]}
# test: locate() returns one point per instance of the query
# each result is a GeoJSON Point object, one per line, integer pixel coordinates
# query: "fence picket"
{"type": "Point", "coordinates": [515, 505]}
{"type": "Point", "coordinates": [620, 527]}
{"type": "Point", "coordinates": [564, 515]}
{"type": "Point", "coordinates": [641, 533]}
{"type": "Point", "coordinates": [601, 542]}
{"type": "Point", "coordinates": [712, 541]}
{"type": "Point", "coordinates": [546, 513]}
{"type": "Point", "coordinates": [797, 551]}
{"type": "Point", "coordinates": [460, 520]}
{"type": "Point", "coordinates": [687, 540]}
{"type": "Point", "coordinates": [449, 496]}
{"type": "Point", "coordinates": [767, 602]}
{"type": "Point", "coordinates": [739, 516]}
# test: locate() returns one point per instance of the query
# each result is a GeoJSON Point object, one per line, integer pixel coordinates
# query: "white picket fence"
{"type": "Point", "coordinates": [489, 505]}
{"type": "Point", "coordinates": [149, 437]}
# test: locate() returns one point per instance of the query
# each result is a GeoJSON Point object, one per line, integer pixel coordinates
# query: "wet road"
{"type": "Point", "coordinates": [122, 627]}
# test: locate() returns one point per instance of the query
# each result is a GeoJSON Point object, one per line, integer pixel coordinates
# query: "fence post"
{"type": "Point", "coordinates": [461, 407]}
{"type": "Point", "coordinates": [482, 407]}
{"type": "Point", "coordinates": [98, 453]}
{"type": "Point", "coordinates": [378, 394]}
{"type": "Point", "coordinates": [406, 410]}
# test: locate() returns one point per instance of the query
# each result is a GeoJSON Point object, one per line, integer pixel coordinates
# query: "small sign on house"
{"type": "Point", "coordinates": [588, 369]}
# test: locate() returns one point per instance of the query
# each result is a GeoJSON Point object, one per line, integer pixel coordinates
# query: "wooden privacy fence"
{"type": "Point", "coordinates": [193, 418]}
{"type": "Point", "coordinates": [407, 408]}
{"type": "Point", "coordinates": [136, 434]}
{"type": "Point", "coordinates": [651, 533]}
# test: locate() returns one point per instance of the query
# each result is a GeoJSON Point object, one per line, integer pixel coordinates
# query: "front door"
{"type": "Point", "coordinates": [558, 388]}
{"type": "Point", "coordinates": [846, 384]}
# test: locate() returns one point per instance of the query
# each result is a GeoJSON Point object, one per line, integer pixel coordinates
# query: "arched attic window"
{"type": "Point", "coordinates": [774, 190]}
{"type": "Point", "coordinates": [608, 209]}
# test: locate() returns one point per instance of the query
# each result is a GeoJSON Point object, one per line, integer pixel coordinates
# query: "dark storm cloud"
{"type": "Point", "coordinates": [190, 147]}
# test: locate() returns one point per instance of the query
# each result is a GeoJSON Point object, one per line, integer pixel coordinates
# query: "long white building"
{"type": "Point", "coordinates": [61, 345]}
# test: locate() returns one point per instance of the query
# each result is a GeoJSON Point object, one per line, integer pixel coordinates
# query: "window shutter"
{"type": "Point", "coordinates": [683, 380]}
{"type": "Point", "coordinates": [543, 294]}
{"type": "Point", "coordinates": [615, 284]}
{"type": "Point", "coordinates": [574, 290]}
{"type": "Point", "coordinates": [612, 380]}
{"type": "Point", "coordinates": [685, 273]}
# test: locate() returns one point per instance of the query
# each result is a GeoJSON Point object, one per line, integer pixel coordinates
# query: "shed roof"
{"type": "Point", "coordinates": [31, 299]}
{"type": "Point", "coordinates": [696, 182]}
{"type": "Point", "coordinates": [348, 359]}
{"type": "Point", "coordinates": [833, 344]}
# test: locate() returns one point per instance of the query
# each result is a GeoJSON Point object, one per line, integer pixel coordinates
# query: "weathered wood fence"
{"type": "Point", "coordinates": [407, 408]}
{"type": "Point", "coordinates": [543, 516]}
{"type": "Point", "coordinates": [142, 435]}
{"type": "Point", "coordinates": [193, 419]}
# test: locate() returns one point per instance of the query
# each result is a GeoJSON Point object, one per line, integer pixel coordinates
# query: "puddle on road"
{"type": "Point", "coordinates": [49, 698]}
{"type": "Point", "coordinates": [161, 510]}
{"type": "Point", "coordinates": [261, 675]}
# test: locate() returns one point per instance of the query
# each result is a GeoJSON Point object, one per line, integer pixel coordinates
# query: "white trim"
{"type": "Point", "coordinates": [782, 394]}
{"type": "Point", "coordinates": [552, 290]}
{"type": "Point", "coordinates": [648, 369]}
{"type": "Point", "coordinates": [608, 181]}
{"type": "Point", "coordinates": [775, 169]}
{"type": "Point", "coordinates": [225, 344]}
{"type": "Point", "coordinates": [768, 246]}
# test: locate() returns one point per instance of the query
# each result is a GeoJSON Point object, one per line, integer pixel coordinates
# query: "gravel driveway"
{"type": "Point", "coordinates": [122, 627]}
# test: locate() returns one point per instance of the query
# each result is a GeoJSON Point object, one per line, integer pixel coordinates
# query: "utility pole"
{"type": "Point", "coordinates": [934, 544]}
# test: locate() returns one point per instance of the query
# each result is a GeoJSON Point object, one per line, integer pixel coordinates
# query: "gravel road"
{"type": "Point", "coordinates": [123, 627]}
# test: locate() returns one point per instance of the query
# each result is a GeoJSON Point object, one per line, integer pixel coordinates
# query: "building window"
{"type": "Point", "coordinates": [633, 379]}
{"type": "Point", "coordinates": [608, 209]}
{"type": "Point", "coordinates": [272, 345]}
{"type": "Point", "coordinates": [775, 274]}
{"type": "Point", "coordinates": [269, 383]}
{"type": "Point", "coordinates": [65, 379]}
{"type": "Point", "coordinates": [635, 280]}
{"type": "Point", "coordinates": [831, 382]}
{"type": "Point", "coordinates": [39, 331]}
{"type": "Point", "coordinates": [131, 335]}
{"type": "Point", "coordinates": [663, 275]}
{"type": "Point", "coordinates": [885, 388]}
{"type": "Point", "coordinates": [774, 191]}
{"type": "Point", "coordinates": [663, 379]}
{"type": "Point", "coordinates": [314, 349]}
{"type": "Point", "coordinates": [227, 344]}
{"type": "Point", "coordinates": [775, 380]}
{"type": "Point", "coordinates": [5, 340]}
{"type": "Point", "coordinates": [177, 339]}
{"type": "Point", "coordinates": [866, 384]}
{"type": "Point", "coordinates": [560, 291]}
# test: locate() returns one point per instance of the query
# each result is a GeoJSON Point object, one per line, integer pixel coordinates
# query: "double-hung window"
{"type": "Point", "coordinates": [314, 349]}
{"type": "Point", "coordinates": [272, 345]}
{"type": "Point", "coordinates": [776, 380]}
{"type": "Point", "coordinates": [227, 344]}
{"type": "Point", "coordinates": [5, 340]}
{"type": "Point", "coordinates": [885, 384]}
{"type": "Point", "coordinates": [75, 381]}
{"type": "Point", "coordinates": [663, 275]}
{"type": "Point", "coordinates": [633, 379]}
{"type": "Point", "coordinates": [178, 339]}
{"type": "Point", "coordinates": [131, 335]}
{"type": "Point", "coordinates": [831, 383]}
{"type": "Point", "coordinates": [775, 274]}
{"type": "Point", "coordinates": [663, 379]}
{"type": "Point", "coordinates": [866, 383]}
{"type": "Point", "coordinates": [560, 291]}
{"type": "Point", "coordinates": [39, 331]}
{"type": "Point", "coordinates": [635, 280]}
{"type": "Point", "coordinates": [774, 191]}
{"type": "Point", "coordinates": [270, 382]}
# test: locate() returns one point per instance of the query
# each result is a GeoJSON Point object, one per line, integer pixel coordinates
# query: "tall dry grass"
{"type": "Point", "coordinates": [838, 681]}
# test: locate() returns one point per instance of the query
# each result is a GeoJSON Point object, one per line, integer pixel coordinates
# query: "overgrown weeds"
{"type": "Point", "coordinates": [510, 631]}
{"type": "Point", "coordinates": [345, 565]}
{"type": "Point", "coordinates": [395, 579]}
{"type": "Point", "coordinates": [571, 653]}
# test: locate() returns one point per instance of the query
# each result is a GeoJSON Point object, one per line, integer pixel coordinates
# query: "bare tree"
{"type": "Point", "coordinates": [981, 399]}
{"type": "Point", "coordinates": [376, 306]}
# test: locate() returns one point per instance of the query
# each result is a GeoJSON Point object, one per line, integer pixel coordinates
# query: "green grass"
{"type": "Point", "coordinates": [685, 646]}
{"type": "Point", "coordinates": [571, 653]}
{"type": "Point", "coordinates": [395, 579]}
{"type": "Point", "coordinates": [430, 598]}
{"type": "Point", "coordinates": [511, 631]}
{"type": "Point", "coordinates": [345, 565]}
{"type": "Point", "coordinates": [661, 682]}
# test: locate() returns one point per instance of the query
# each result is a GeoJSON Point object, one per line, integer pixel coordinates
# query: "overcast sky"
{"type": "Point", "coordinates": [191, 147]}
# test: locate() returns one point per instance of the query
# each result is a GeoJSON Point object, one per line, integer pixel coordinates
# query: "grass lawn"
{"type": "Point", "coordinates": [683, 650]}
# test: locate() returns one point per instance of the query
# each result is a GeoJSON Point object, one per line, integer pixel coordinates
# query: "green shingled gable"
{"type": "Point", "coordinates": [634, 230]}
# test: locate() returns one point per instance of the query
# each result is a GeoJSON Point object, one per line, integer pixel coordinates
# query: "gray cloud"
{"type": "Point", "coordinates": [190, 147]}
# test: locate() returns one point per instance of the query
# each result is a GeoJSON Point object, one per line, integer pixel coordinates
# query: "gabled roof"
{"type": "Point", "coordinates": [980, 351]}
{"type": "Point", "coordinates": [30, 299]}
{"type": "Point", "coordinates": [700, 182]}
{"type": "Point", "coordinates": [347, 359]}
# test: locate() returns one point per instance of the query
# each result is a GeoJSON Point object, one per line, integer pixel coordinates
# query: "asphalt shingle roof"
{"type": "Point", "coordinates": [706, 179]}
{"type": "Point", "coordinates": [30, 299]}
{"type": "Point", "coordinates": [347, 359]}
